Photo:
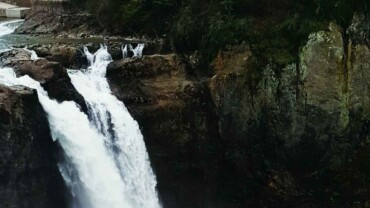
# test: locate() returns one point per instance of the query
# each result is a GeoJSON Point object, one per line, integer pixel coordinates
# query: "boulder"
{"type": "Point", "coordinates": [67, 55]}
{"type": "Point", "coordinates": [52, 76]}
{"type": "Point", "coordinates": [54, 21]}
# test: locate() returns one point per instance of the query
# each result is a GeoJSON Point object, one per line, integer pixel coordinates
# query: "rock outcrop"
{"type": "Point", "coordinates": [52, 76]}
{"type": "Point", "coordinates": [250, 136]}
{"type": "Point", "coordinates": [301, 124]}
{"type": "Point", "coordinates": [71, 55]}
{"type": "Point", "coordinates": [66, 55]}
{"type": "Point", "coordinates": [28, 164]}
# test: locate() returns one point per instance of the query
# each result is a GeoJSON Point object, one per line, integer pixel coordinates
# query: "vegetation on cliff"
{"type": "Point", "coordinates": [274, 28]}
{"type": "Point", "coordinates": [259, 133]}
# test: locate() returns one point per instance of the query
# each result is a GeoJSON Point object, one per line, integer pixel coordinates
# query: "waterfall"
{"type": "Point", "coordinates": [138, 50]}
{"type": "Point", "coordinates": [124, 51]}
{"type": "Point", "coordinates": [95, 179]}
{"type": "Point", "coordinates": [105, 163]}
{"type": "Point", "coordinates": [122, 136]}
{"type": "Point", "coordinates": [32, 53]}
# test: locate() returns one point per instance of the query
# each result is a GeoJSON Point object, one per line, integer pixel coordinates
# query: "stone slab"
{"type": "Point", "coordinates": [18, 12]}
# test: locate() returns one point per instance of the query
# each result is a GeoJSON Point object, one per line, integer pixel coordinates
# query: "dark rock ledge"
{"type": "Point", "coordinates": [29, 176]}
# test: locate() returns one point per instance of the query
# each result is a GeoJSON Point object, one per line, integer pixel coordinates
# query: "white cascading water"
{"type": "Point", "coordinates": [97, 182]}
{"type": "Point", "coordinates": [8, 27]}
{"type": "Point", "coordinates": [124, 52]}
{"type": "Point", "coordinates": [137, 51]}
{"type": "Point", "coordinates": [106, 164]}
{"type": "Point", "coordinates": [32, 53]}
{"type": "Point", "coordinates": [122, 136]}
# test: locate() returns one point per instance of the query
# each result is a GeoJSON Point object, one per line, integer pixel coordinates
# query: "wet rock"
{"type": "Point", "coordinates": [67, 55]}
{"type": "Point", "coordinates": [28, 161]}
{"type": "Point", "coordinates": [51, 75]}
{"type": "Point", "coordinates": [12, 56]}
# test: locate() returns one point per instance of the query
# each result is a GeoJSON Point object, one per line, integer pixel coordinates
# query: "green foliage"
{"type": "Point", "coordinates": [207, 27]}
{"type": "Point", "coordinates": [131, 16]}
{"type": "Point", "coordinates": [275, 29]}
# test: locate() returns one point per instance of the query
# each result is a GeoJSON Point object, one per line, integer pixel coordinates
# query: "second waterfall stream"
{"type": "Point", "coordinates": [122, 136]}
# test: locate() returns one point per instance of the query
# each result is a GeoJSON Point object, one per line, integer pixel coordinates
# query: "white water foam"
{"type": "Point", "coordinates": [9, 27]}
{"type": "Point", "coordinates": [137, 51]}
{"type": "Point", "coordinates": [124, 52]}
{"type": "Point", "coordinates": [123, 138]}
{"type": "Point", "coordinates": [6, 28]}
{"type": "Point", "coordinates": [32, 53]}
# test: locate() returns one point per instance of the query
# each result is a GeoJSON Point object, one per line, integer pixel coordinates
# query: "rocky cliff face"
{"type": "Point", "coordinates": [28, 165]}
{"type": "Point", "coordinates": [249, 136]}
{"type": "Point", "coordinates": [302, 125]}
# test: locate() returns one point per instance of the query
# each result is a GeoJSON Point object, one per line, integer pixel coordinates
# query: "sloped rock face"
{"type": "Point", "coordinates": [29, 176]}
{"type": "Point", "coordinates": [297, 129]}
{"type": "Point", "coordinates": [179, 126]}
